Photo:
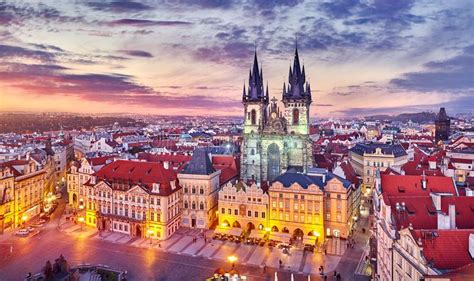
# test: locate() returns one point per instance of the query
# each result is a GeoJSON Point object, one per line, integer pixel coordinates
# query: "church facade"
{"type": "Point", "coordinates": [276, 139]}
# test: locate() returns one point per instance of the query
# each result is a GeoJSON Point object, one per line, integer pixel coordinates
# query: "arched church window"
{"type": "Point", "coordinates": [296, 116]}
{"type": "Point", "coordinates": [253, 117]}
{"type": "Point", "coordinates": [193, 205]}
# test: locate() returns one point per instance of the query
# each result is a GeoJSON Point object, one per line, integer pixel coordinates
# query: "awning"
{"type": "Point", "coordinates": [309, 240]}
{"type": "Point", "coordinates": [280, 236]}
{"type": "Point", "coordinates": [229, 230]}
{"type": "Point", "coordinates": [257, 234]}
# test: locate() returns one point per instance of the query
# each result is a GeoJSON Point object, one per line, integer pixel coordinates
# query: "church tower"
{"type": "Point", "coordinates": [297, 99]}
{"type": "Point", "coordinates": [255, 102]}
{"type": "Point", "coordinates": [442, 125]}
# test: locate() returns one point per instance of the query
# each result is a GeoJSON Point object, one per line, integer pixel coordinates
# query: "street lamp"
{"type": "Point", "coordinates": [150, 233]}
{"type": "Point", "coordinates": [232, 259]}
{"type": "Point", "coordinates": [81, 220]}
{"type": "Point", "coordinates": [24, 218]}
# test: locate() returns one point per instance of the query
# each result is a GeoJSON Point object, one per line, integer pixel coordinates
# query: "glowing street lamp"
{"type": "Point", "coordinates": [81, 220]}
{"type": "Point", "coordinates": [24, 218]}
{"type": "Point", "coordinates": [150, 233]}
{"type": "Point", "coordinates": [232, 259]}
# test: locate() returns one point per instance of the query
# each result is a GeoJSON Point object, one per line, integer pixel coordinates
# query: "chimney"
{"type": "Point", "coordinates": [436, 200]}
{"type": "Point", "coordinates": [471, 245]}
{"type": "Point", "coordinates": [469, 192]}
{"type": "Point", "coordinates": [452, 216]}
{"type": "Point", "coordinates": [423, 181]}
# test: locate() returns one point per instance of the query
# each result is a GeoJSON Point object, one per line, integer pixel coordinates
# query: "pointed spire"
{"type": "Point", "coordinates": [243, 92]}
{"type": "Point", "coordinates": [303, 75]}
{"type": "Point", "coordinates": [284, 89]}
{"type": "Point", "coordinates": [267, 90]}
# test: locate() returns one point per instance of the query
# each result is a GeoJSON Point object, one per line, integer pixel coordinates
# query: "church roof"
{"type": "Point", "coordinates": [200, 164]}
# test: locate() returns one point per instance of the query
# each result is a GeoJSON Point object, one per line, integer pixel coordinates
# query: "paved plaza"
{"type": "Point", "coordinates": [182, 243]}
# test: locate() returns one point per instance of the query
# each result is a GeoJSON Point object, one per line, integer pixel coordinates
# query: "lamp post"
{"type": "Point", "coordinates": [23, 219]}
{"type": "Point", "coordinates": [81, 220]}
{"type": "Point", "coordinates": [232, 259]}
{"type": "Point", "coordinates": [150, 233]}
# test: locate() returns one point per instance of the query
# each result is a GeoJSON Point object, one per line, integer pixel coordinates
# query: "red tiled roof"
{"type": "Point", "coordinates": [419, 211]}
{"type": "Point", "coordinates": [142, 173]}
{"type": "Point", "coordinates": [461, 160]}
{"type": "Point", "coordinates": [228, 166]}
{"type": "Point", "coordinates": [401, 185]}
{"type": "Point", "coordinates": [464, 210]}
{"type": "Point", "coordinates": [448, 250]}
{"type": "Point", "coordinates": [102, 160]}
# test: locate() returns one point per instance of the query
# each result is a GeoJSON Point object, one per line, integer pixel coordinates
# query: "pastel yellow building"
{"type": "Point", "coordinates": [22, 192]}
{"type": "Point", "coordinates": [368, 158]}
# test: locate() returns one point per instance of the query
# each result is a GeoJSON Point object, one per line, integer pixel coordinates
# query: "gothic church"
{"type": "Point", "coordinates": [275, 139]}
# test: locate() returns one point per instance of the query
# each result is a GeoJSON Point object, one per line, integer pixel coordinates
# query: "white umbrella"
{"type": "Point", "coordinates": [292, 277]}
{"type": "Point", "coordinates": [276, 276]}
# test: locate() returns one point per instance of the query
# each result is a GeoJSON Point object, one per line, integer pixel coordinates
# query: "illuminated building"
{"type": "Point", "coordinates": [243, 206]}
{"type": "Point", "coordinates": [310, 206]}
{"type": "Point", "coordinates": [22, 190]}
{"type": "Point", "coordinates": [141, 199]}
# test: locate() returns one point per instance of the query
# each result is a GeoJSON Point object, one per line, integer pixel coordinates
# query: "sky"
{"type": "Point", "coordinates": [192, 57]}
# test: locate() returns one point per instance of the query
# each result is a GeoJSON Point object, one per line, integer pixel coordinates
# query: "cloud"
{"type": "Point", "coordinates": [141, 23]}
{"type": "Point", "coordinates": [454, 74]}
{"type": "Point", "coordinates": [119, 6]}
{"type": "Point", "coordinates": [323, 105]}
{"type": "Point", "coordinates": [19, 13]}
{"type": "Point", "coordinates": [8, 51]}
{"type": "Point", "coordinates": [137, 53]}
{"type": "Point", "coordinates": [229, 52]}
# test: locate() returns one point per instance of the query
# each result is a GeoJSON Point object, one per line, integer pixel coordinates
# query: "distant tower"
{"type": "Point", "coordinates": [442, 124]}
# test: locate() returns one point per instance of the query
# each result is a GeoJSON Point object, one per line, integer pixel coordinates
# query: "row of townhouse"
{"type": "Point", "coordinates": [424, 229]}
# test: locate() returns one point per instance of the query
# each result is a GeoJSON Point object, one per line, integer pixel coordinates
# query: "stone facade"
{"type": "Point", "coordinates": [275, 140]}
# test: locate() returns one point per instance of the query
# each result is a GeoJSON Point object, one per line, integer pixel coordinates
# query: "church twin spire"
{"type": "Point", "coordinates": [298, 88]}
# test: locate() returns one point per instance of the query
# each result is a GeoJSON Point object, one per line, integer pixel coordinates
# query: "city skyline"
{"type": "Point", "coordinates": [193, 57]}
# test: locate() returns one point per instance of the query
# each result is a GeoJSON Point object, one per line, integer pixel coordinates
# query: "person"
{"type": "Point", "coordinates": [264, 267]}
{"type": "Point", "coordinates": [28, 277]}
{"type": "Point", "coordinates": [338, 277]}
{"type": "Point", "coordinates": [335, 274]}
{"type": "Point", "coordinates": [281, 263]}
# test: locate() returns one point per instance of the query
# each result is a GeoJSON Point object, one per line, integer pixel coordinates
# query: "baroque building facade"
{"type": "Point", "coordinates": [275, 139]}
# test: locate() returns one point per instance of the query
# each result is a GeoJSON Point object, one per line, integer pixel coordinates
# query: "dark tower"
{"type": "Point", "coordinates": [442, 125]}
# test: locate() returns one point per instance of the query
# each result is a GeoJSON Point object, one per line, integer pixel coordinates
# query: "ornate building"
{"type": "Point", "coordinates": [442, 124]}
{"type": "Point", "coordinates": [275, 140]}
{"type": "Point", "coordinates": [200, 182]}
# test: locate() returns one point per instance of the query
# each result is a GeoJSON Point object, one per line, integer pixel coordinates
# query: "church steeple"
{"type": "Point", "coordinates": [255, 89]}
{"type": "Point", "coordinates": [297, 86]}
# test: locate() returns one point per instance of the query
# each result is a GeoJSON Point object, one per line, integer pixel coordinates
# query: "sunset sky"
{"type": "Point", "coordinates": [192, 57]}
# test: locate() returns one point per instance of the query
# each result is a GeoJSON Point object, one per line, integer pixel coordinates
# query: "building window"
{"type": "Point", "coordinates": [186, 205]}
{"type": "Point", "coordinates": [263, 215]}
{"type": "Point", "coordinates": [328, 216]}
{"type": "Point", "coordinates": [296, 116]}
{"type": "Point", "coordinates": [201, 206]}
{"type": "Point", "coordinates": [236, 212]}
{"type": "Point", "coordinates": [201, 191]}
{"type": "Point", "coordinates": [249, 213]}
{"type": "Point", "coordinates": [256, 214]}
{"type": "Point", "coordinates": [253, 117]}
{"type": "Point", "coordinates": [193, 205]}
{"type": "Point", "coordinates": [223, 211]}
{"type": "Point", "coordinates": [229, 211]}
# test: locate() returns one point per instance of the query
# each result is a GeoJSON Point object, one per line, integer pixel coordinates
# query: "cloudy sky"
{"type": "Point", "coordinates": [362, 57]}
